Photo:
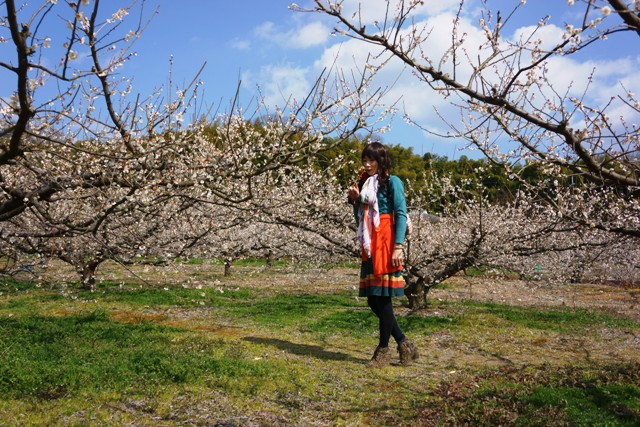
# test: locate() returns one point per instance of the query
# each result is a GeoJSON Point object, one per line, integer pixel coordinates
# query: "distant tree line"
{"type": "Point", "coordinates": [415, 170]}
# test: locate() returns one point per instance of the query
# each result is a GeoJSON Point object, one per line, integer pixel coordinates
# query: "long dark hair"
{"type": "Point", "coordinates": [378, 152]}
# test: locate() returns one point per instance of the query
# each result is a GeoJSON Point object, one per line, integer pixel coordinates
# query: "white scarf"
{"type": "Point", "coordinates": [368, 214]}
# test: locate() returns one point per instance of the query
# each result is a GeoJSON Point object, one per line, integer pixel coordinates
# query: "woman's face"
{"type": "Point", "coordinates": [370, 166]}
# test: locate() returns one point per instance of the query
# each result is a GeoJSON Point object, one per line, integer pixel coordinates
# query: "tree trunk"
{"type": "Point", "coordinates": [227, 267]}
{"type": "Point", "coordinates": [269, 262]}
{"type": "Point", "coordinates": [88, 275]}
{"type": "Point", "coordinates": [416, 293]}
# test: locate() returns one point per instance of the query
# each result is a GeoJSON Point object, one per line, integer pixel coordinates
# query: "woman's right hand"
{"type": "Point", "coordinates": [354, 192]}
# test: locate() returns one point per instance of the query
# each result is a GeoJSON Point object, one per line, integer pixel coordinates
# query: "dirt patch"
{"type": "Point", "coordinates": [612, 299]}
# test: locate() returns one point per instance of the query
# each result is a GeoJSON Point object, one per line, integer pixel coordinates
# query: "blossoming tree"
{"type": "Point", "coordinates": [85, 158]}
{"type": "Point", "coordinates": [515, 103]}
{"type": "Point", "coordinates": [525, 237]}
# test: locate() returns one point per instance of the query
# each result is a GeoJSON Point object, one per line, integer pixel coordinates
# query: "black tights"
{"type": "Point", "coordinates": [383, 308]}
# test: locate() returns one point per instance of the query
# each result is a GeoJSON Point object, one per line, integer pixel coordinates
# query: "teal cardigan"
{"type": "Point", "coordinates": [399, 208]}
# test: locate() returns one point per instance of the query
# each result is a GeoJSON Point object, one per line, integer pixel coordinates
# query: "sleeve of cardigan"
{"type": "Point", "coordinates": [399, 208]}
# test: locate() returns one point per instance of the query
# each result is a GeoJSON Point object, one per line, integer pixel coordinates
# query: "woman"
{"type": "Point", "coordinates": [381, 215]}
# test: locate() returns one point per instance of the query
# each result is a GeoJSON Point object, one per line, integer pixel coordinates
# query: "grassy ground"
{"type": "Point", "coordinates": [183, 345]}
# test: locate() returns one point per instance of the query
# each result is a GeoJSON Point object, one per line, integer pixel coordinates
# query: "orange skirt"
{"type": "Point", "coordinates": [377, 275]}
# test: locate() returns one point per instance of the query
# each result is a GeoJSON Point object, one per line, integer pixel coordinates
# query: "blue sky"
{"type": "Point", "coordinates": [224, 34]}
{"type": "Point", "coordinates": [263, 42]}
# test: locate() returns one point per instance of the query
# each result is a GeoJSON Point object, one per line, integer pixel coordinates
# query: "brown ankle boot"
{"type": "Point", "coordinates": [381, 357]}
{"type": "Point", "coordinates": [408, 352]}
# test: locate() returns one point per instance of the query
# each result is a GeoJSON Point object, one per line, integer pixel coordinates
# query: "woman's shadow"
{"type": "Point", "coordinates": [304, 349]}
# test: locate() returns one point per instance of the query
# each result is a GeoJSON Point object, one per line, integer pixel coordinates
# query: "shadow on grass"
{"type": "Point", "coordinates": [304, 349]}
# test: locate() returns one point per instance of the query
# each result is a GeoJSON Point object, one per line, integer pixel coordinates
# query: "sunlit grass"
{"type": "Point", "coordinates": [284, 309]}
{"type": "Point", "coordinates": [581, 395]}
{"type": "Point", "coordinates": [554, 320]}
{"type": "Point", "coordinates": [146, 354]}
{"type": "Point", "coordinates": [52, 357]}
{"type": "Point", "coordinates": [594, 404]}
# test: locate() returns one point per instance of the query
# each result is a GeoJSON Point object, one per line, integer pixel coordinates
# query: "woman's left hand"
{"type": "Point", "coordinates": [397, 257]}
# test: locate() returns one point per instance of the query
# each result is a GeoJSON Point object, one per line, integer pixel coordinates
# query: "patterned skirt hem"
{"type": "Point", "coordinates": [386, 285]}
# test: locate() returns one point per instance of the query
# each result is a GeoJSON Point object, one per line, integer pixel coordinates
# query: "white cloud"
{"type": "Point", "coordinates": [351, 54]}
{"type": "Point", "coordinates": [309, 35]}
{"type": "Point", "coordinates": [375, 10]}
{"type": "Point", "coordinates": [569, 74]}
{"type": "Point", "coordinates": [265, 30]}
{"type": "Point", "coordinates": [281, 84]}
{"type": "Point", "coordinates": [416, 97]}
{"type": "Point", "coordinates": [549, 36]}
{"type": "Point", "coordinates": [240, 44]}
{"type": "Point", "coordinates": [417, 100]}
{"type": "Point", "coordinates": [602, 81]}
{"type": "Point", "coordinates": [600, 78]}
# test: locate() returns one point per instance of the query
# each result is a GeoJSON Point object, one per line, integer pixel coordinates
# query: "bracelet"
{"type": "Point", "coordinates": [398, 246]}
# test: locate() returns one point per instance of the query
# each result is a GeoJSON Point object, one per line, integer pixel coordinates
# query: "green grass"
{"type": "Point", "coordinates": [9, 285]}
{"type": "Point", "coordinates": [191, 261]}
{"type": "Point", "coordinates": [589, 404]}
{"type": "Point", "coordinates": [553, 320]}
{"type": "Point", "coordinates": [179, 297]}
{"type": "Point", "coordinates": [606, 395]}
{"type": "Point", "coordinates": [52, 357]}
{"type": "Point", "coordinates": [282, 310]}
{"type": "Point", "coordinates": [483, 271]}
{"type": "Point", "coordinates": [232, 355]}
{"type": "Point", "coordinates": [358, 323]}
